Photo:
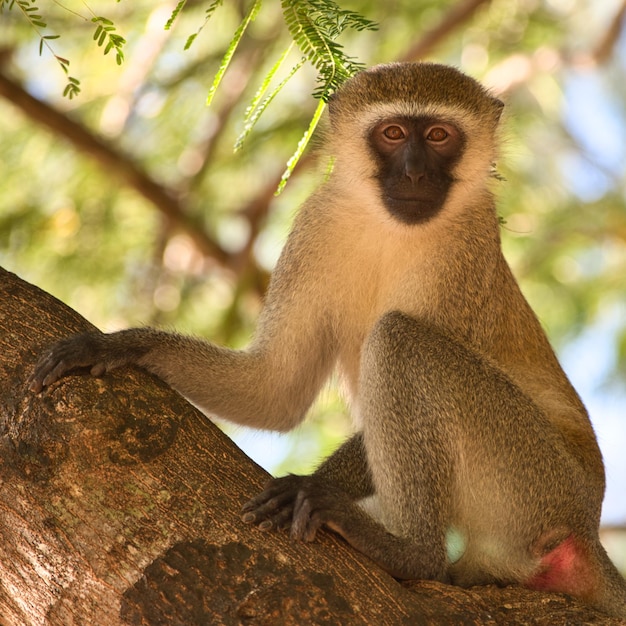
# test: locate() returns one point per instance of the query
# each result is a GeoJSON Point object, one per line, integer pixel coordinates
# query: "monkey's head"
{"type": "Point", "coordinates": [428, 132]}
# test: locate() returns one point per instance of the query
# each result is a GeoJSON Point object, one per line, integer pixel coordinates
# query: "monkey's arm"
{"type": "Point", "coordinates": [348, 470]}
{"type": "Point", "coordinates": [270, 385]}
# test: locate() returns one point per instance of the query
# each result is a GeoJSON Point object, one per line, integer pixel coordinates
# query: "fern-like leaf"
{"type": "Point", "coordinates": [105, 30]}
{"type": "Point", "coordinates": [314, 26]}
{"type": "Point", "coordinates": [266, 82]}
{"type": "Point", "coordinates": [174, 15]}
{"type": "Point", "coordinates": [302, 144]}
{"type": "Point", "coordinates": [226, 59]}
{"type": "Point", "coordinates": [207, 16]}
{"type": "Point", "coordinates": [255, 110]}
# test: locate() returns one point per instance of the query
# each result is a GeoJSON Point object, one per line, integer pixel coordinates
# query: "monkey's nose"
{"type": "Point", "coordinates": [414, 165]}
{"type": "Point", "coordinates": [414, 172]}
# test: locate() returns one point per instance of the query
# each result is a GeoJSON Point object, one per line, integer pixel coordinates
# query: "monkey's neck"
{"type": "Point", "coordinates": [440, 271]}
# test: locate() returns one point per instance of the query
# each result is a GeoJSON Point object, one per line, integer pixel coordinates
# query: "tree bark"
{"type": "Point", "coordinates": [119, 504]}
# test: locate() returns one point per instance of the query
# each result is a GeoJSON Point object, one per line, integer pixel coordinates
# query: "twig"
{"type": "Point", "coordinates": [604, 50]}
{"type": "Point", "coordinates": [114, 160]}
{"type": "Point", "coordinates": [455, 17]}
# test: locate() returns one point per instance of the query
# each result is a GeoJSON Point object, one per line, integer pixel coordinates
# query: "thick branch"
{"type": "Point", "coordinates": [119, 504]}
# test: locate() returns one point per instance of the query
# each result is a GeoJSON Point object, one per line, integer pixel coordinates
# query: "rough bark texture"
{"type": "Point", "coordinates": [119, 504]}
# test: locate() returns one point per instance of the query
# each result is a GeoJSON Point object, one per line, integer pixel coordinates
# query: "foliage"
{"type": "Point", "coordinates": [314, 26]}
{"type": "Point", "coordinates": [232, 47]}
{"type": "Point", "coordinates": [33, 16]}
{"type": "Point", "coordinates": [207, 16]}
{"type": "Point", "coordinates": [105, 34]}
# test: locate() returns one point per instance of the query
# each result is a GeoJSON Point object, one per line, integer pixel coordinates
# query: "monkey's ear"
{"type": "Point", "coordinates": [498, 107]}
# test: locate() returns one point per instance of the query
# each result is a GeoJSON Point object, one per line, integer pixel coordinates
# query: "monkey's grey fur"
{"type": "Point", "coordinates": [466, 423]}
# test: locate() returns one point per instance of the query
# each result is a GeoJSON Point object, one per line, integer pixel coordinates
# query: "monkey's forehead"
{"type": "Point", "coordinates": [414, 86]}
{"type": "Point", "coordinates": [468, 121]}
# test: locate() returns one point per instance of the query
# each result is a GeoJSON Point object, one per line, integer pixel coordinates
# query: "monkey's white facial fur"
{"type": "Point", "coordinates": [427, 176]}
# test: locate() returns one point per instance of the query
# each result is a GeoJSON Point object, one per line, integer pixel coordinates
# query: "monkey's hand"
{"type": "Point", "coordinates": [96, 351]}
{"type": "Point", "coordinates": [302, 503]}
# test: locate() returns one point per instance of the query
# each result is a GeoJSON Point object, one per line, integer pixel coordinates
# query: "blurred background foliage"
{"type": "Point", "coordinates": [128, 202]}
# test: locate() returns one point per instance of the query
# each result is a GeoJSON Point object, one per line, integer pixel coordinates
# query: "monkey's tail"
{"type": "Point", "coordinates": [611, 591]}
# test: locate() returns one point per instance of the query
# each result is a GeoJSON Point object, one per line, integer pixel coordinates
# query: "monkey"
{"type": "Point", "coordinates": [473, 459]}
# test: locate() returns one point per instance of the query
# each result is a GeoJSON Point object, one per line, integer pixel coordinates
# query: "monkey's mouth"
{"type": "Point", "coordinates": [408, 199]}
{"type": "Point", "coordinates": [413, 208]}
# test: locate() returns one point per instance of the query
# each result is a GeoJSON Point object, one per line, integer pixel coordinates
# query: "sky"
{"type": "Point", "coordinates": [593, 119]}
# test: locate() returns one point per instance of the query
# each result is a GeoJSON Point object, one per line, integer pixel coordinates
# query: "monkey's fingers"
{"type": "Point", "coordinates": [317, 508]}
{"type": "Point", "coordinates": [307, 519]}
{"type": "Point", "coordinates": [48, 370]}
{"type": "Point", "coordinates": [280, 520]}
{"type": "Point", "coordinates": [273, 508]}
{"type": "Point", "coordinates": [277, 492]}
{"type": "Point", "coordinates": [276, 510]}
{"type": "Point", "coordinates": [64, 356]}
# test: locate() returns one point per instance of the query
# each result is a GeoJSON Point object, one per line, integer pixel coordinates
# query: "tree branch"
{"type": "Point", "coordinates": [605, 47]}
{"type": "Point", "coordinates": [455, 17]}
{"type": "Point", "coordinates": [120, 504]}
{"type": "Point", "coordinates": [113, 160]}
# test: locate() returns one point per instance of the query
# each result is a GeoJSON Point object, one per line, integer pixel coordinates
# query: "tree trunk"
{"type": "Point", "coordinates": [119, 504]}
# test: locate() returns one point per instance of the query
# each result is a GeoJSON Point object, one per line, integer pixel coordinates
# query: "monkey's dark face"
{"type": "Point", "coordinates": [415, 159]}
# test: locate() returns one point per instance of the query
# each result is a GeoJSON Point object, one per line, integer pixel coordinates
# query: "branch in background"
{"type": "Point", "coordinates": [613, 528]}
{"type": "Point", "coordinates": [147, 50]}
{"type": "Point", "coordinates": [243, 69]}
{"type": "Point", "coordinates": [604, 50]}
{"type": "Point", "coordinates": [455, 17]}
{"type": "Point", "coordinates": [111, 158]}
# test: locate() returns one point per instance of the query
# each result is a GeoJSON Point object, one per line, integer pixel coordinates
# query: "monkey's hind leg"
{"type": "Point", "coordinates": [410, 452]}
{"type": "Point", "coordinates": [453, 444]}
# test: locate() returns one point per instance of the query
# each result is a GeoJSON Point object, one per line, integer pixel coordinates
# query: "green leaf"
{"type": "Point", "coordinates": [207, 16]}
{"type": "Point", "coordinates": [189, 41]}
{"type": "Point", "coordinates": [64, 63]}
{"type": "Point", "coordinates": [314, 26]}
{"type": "Point", "coordinates": [266, 82]}
{"type": "Point", "coordinates": [253, 115]}
{"type": "Point", "coordinates": [102, 20]}
{"type": "Point", "coordinates": [302, 144]}
{"type": "Point", "coordinates": [174, 15]}
{"type": "Point", "coordinates": [72, 88]}
{"type": "Point", "coordinates": [226, 59]}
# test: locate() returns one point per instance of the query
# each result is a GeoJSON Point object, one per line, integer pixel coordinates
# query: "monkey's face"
{"type": "Point", "coordinates": [415, 159]}
{"type": "Point", "coordinates": [414, 141]}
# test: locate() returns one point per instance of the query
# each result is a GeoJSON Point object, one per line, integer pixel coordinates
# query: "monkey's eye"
{"type": "Point", "coordinates": [437, 134]}
{"type": "Point", "coordinates": [395, 133]}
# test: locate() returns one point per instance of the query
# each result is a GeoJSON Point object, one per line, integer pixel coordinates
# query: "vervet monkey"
{"type": "Point", "coordinates": [466, 425]}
